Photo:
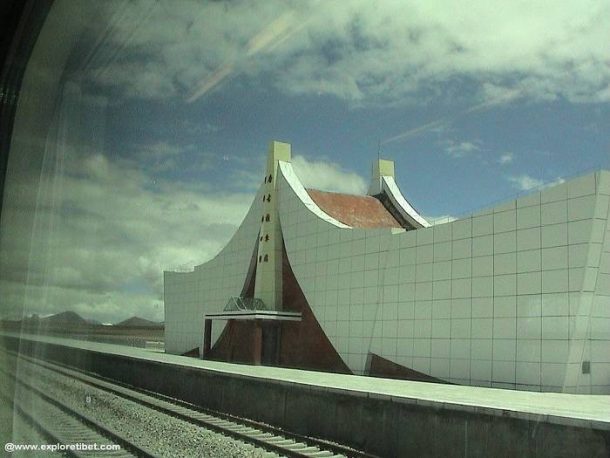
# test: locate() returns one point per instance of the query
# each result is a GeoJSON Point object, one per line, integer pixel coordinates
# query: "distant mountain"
{"type": "Point", "coordinates": [137, 322]}
{"type": "Point", "coordinates": [71, 318]}
{"type": "Point", "coordinates": [93, 322]}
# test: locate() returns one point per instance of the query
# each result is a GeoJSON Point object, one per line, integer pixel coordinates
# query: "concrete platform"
{"type": "Point", "coordinates": [381, 416]}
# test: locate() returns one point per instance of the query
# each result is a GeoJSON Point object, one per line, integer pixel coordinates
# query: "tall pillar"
{"type": "Point", "coordinates": [268, 285]}
{"type": "Point", "coordinates": [381, 168]}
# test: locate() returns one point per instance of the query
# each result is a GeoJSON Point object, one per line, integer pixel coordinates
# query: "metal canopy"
{"type": "Point", "coordinates": [237, 303]}
{"type": "Point", "coordinates": [272, 315]}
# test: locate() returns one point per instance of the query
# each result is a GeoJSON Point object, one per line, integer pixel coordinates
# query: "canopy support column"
{"type": "Point", "coordinates": [207, 338]}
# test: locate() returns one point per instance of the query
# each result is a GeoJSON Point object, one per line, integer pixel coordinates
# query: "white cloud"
{"type": "Point", "coordinates": [103, 233]}
{"type": "Point", "coordinates": [556, 181]}
{"type": "Point", "coordinates": [526, 183]}
{"type": "Point", "coordinates": [358, 50]}
{"type": "Point", "coordinates": [461, 149]}
{"type": "Point", "coordinates": [506, 158]}
{"type": "Point", "coordinates": [327, 176]}
{"type": "Point", "coordinates": [102, 236]}
{"type": "Point", "coordinates": [160, 150]}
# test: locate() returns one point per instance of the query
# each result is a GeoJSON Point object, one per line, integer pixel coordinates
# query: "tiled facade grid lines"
{"type": "Point", "coordinates": [516, 290]}
{"type": "Point", "coordinates": [605, 242]}
{"type": "Point", "coordinates": [540, 359]}
{"type": "Point", "coordinates": [436, 295]}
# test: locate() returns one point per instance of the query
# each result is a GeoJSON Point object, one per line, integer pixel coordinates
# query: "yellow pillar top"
{"type": "Point", "coordinates": [381, 168]}
{"type": "Point", "coordinates": [279, 151]}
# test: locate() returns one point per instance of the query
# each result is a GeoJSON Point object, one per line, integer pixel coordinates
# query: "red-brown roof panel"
{"type": "Point", "coordinates": [355, 211]}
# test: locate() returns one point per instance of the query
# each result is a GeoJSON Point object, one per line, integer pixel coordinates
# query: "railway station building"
{"type": "Point", "coordinates": [516, 296]}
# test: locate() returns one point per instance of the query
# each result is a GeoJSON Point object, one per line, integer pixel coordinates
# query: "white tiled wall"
{"type": "Point", "coordinates": [188, 296]}
{"type": "Point", "coordinates": [496, 299]}
{"type": "Point", "coordinates": [514, 297]}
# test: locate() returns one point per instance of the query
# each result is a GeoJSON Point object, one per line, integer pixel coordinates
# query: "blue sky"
{"type": "Point", "coordinates": [491, 101]}
{"type": "Point", "coordinates": [472, 159]}
{"type": "Point", "coordinates": [171, 106]}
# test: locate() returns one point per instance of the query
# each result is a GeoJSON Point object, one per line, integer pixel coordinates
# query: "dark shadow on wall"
{"type": "Point", "coordinates": [302, 345]}
{"type": "Point", "coordinates": [381, 367]}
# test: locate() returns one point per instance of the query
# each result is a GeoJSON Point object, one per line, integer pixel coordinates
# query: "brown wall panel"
{"type": "Point", "coordinates": [303, 344]}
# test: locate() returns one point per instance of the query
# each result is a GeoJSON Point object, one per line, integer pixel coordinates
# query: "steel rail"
{"type": "Point", "coordinates": [72, 426]}
{"type": "Point", "coordinates": [264, 436]}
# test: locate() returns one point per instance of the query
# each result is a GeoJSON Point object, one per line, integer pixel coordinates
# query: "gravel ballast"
{"type": "Point", "coordinates": [162, 434]}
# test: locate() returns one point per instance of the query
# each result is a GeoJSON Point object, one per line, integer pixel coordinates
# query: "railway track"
{"type": "Point", "coordinates": [60, 424]}
{"type": "Point", "coordinates": [262, 436]}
